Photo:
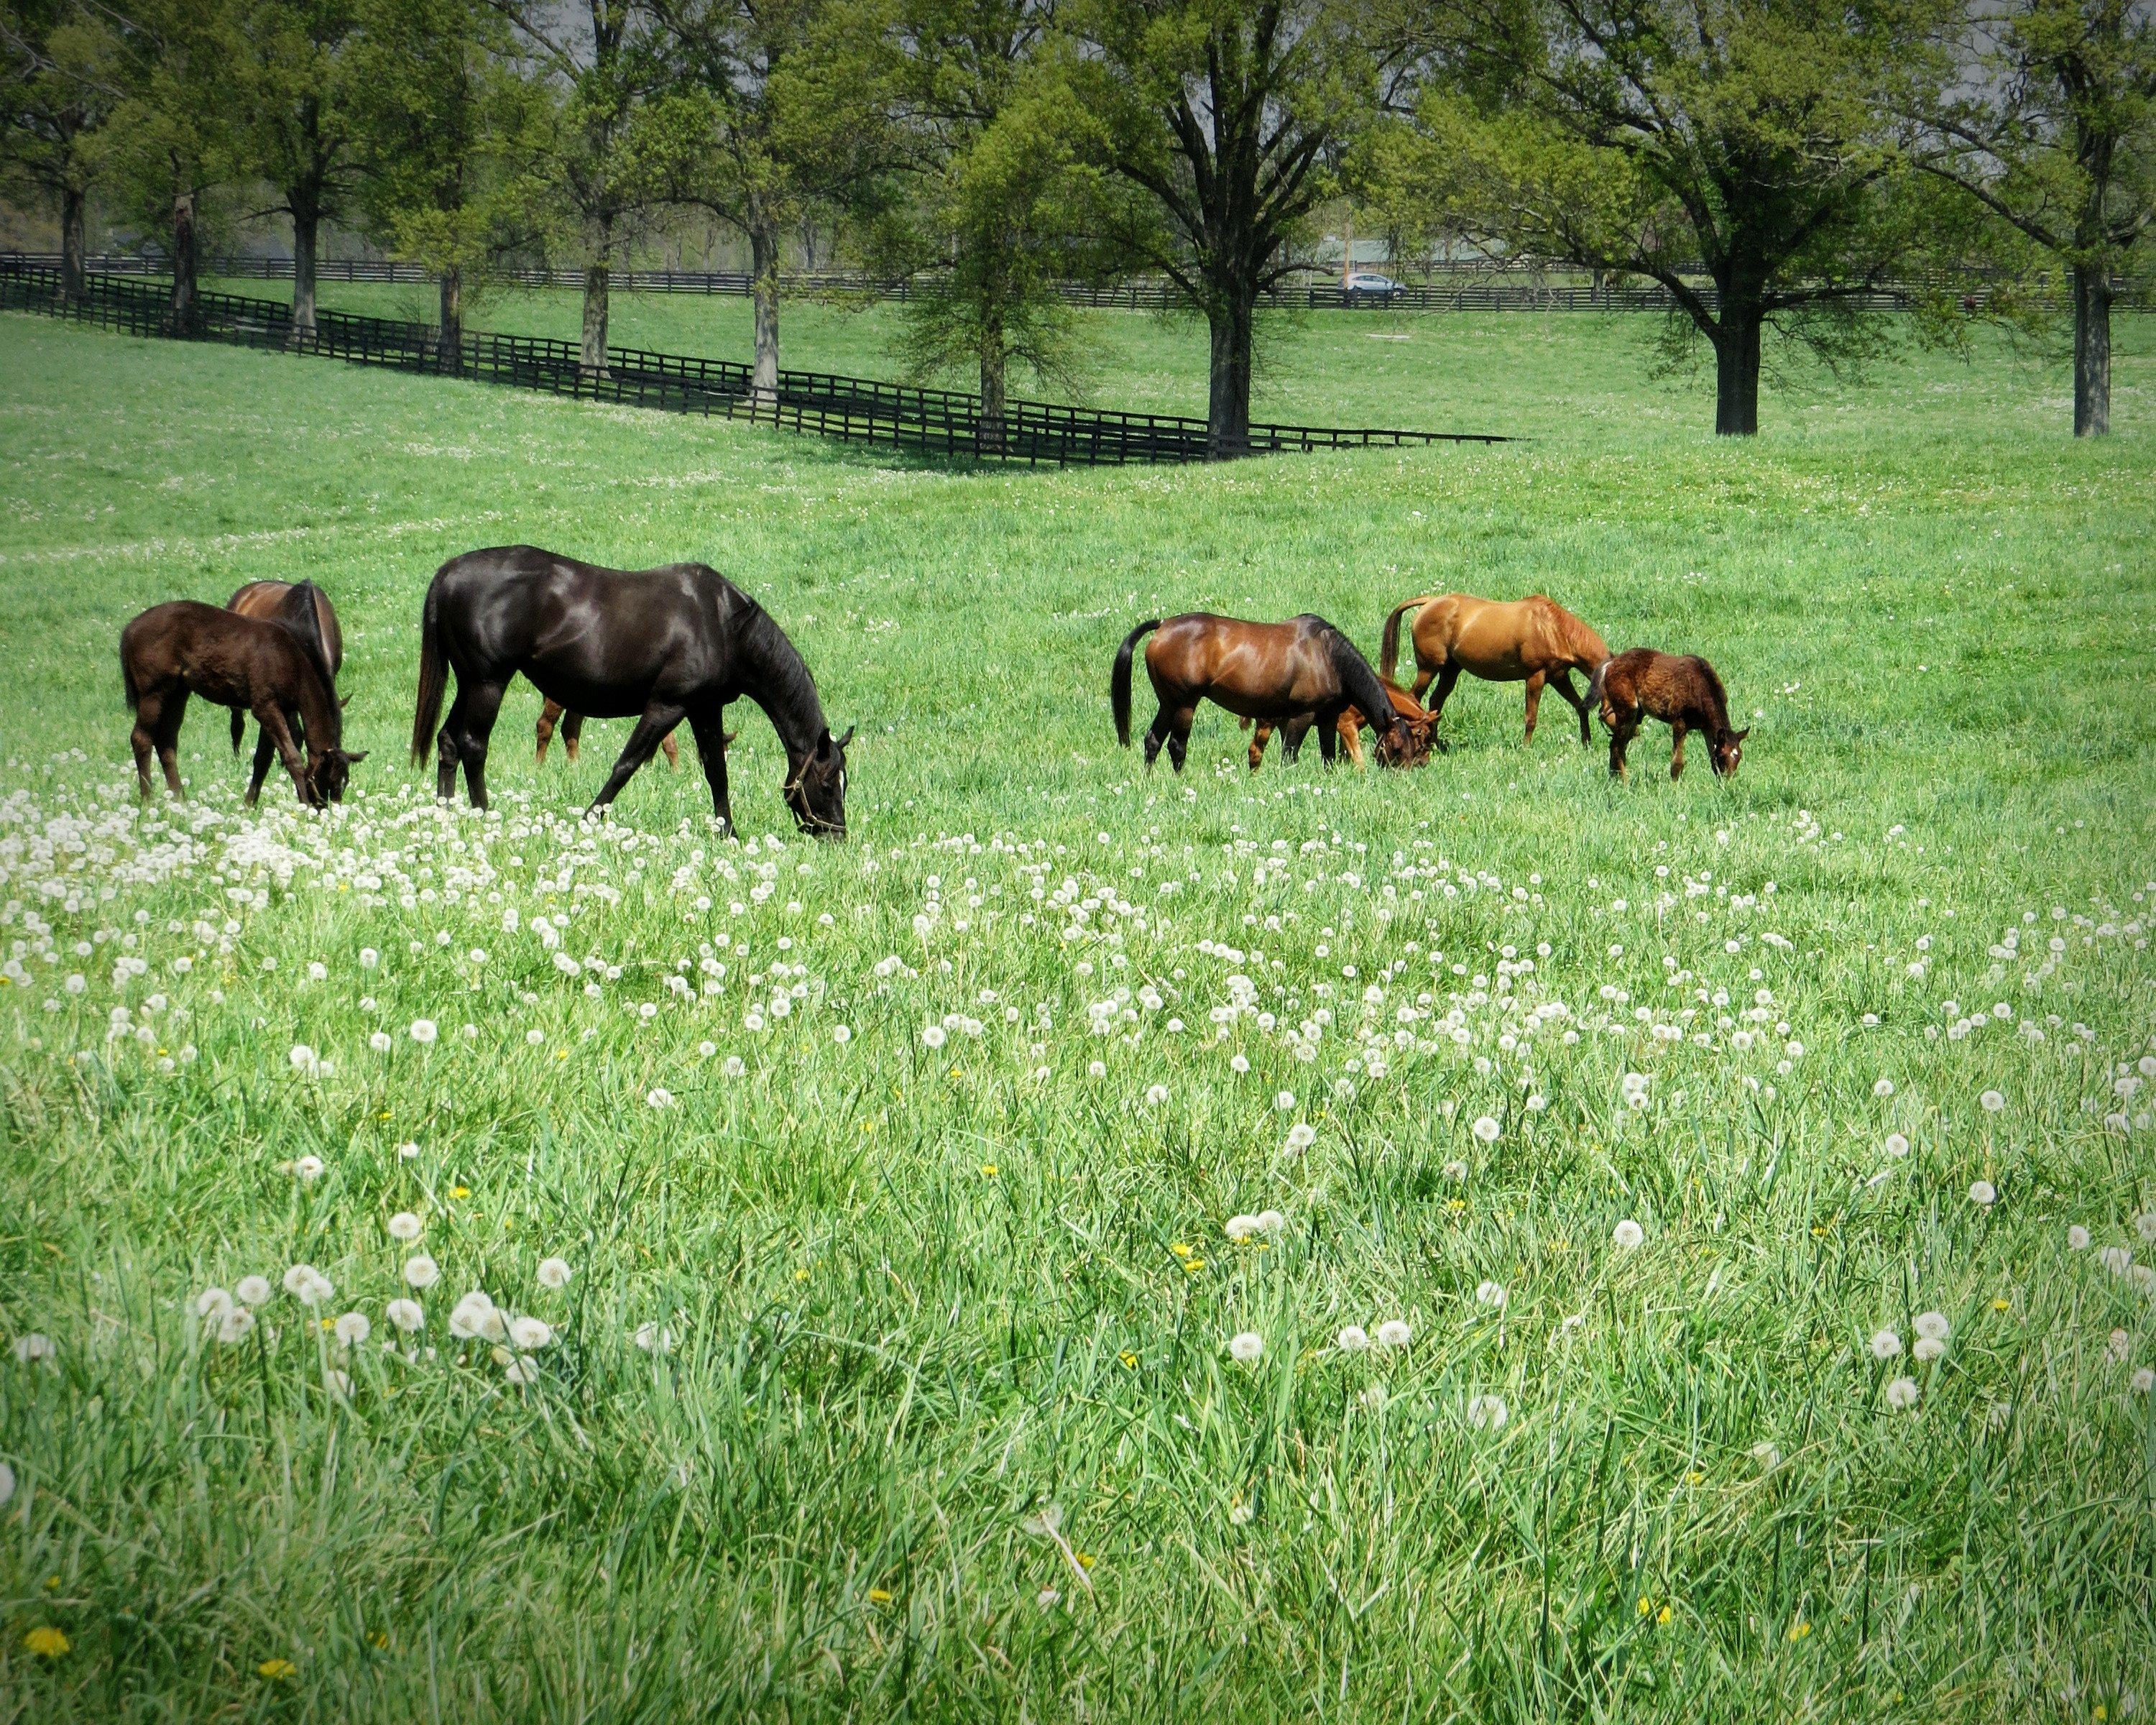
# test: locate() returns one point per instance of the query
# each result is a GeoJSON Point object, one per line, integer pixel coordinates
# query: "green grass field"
{"type": "Point", "coordinates": [892, 1183]}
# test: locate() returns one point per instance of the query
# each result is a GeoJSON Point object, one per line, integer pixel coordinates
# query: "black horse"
{"type": "Point", "coordinates": [663, 644]}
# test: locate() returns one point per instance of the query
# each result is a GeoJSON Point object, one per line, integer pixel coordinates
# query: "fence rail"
{"type": "Point", "coordinates": [856, 410]}
{"type": "Point", "coordinates": [1456, 287]}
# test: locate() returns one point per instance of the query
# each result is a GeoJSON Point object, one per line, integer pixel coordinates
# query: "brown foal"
{"type": "Point", "coordinates": [571, 724]}
{"type": "Point", "coordinates": [1683, 692]}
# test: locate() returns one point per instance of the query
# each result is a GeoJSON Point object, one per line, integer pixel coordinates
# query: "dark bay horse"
{"type": "Point", "coordinates": [1270, 671]}
{"type": "Point", "coordinates": [305, 609]}
{"type": "Point", "coordinates": [184, 648]}
{"type": "Point", "coordinates": [1534, 640]}
{"type": "Point", "coordinates": [662, 645]}
{"type": "Point", "coordinates": [1683, 692]}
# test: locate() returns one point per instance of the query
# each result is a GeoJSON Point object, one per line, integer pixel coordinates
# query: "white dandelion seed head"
{"type": "Point", "coordinates": [1767, 1456]}
{"type": "Point", "coordinates": [379, 1041]}
{"type": "Point", "coordinates": [424, 1031]}
{"type": "Point", "coordinates": [253, 1290]}
{"type": "Point", "coordinates": [352, 1329]}
{"type": "Point", "coordinates": [304, 1059]}
{"type": "Point", "coordinates": [1486, 1129]}
{"type": "Point", "coordinates": [732, 1067]}
{"type": "Point", "coordinates": [1455, 1170]}
{"type": "Point", "coordinates": [337, 1383]}
{"type": "Point", "coordinates": [654, 1339]}
{"type": "Point", "coordinates": [308, 1284]}
{"type": "Point", "coordinates": [1096, 1069]}
{"type": "Point", "coordinates": [404, 1226]}
{"type": "Point", "coordinates": [1247, 1346]}
{"type": "Point", "coordinates": [2120, 1346]}
{"type": "Point", "coordinates": [1992, 1101]}
{"type": "Point", "coordinates": [1934, 1324]}
{"type": "Point", "coordinates": [1902, 1393]}
{"type": "Point", "coordinates": [407, 1151]}
{"type": "Point", "coordinates": [1155, 1095]}
{"type": "Point", "coordinates": [1982, 1194]}
{"type": "Point", "coordinates": [1301, 1136]}
{"type": "Point", "coordinates": [236, 1325]}
{"type": "Point", "coordinates": [1239, 1064]}
{"type": "Point", "coordinates": [530, 1333]}
{"type": "Point", "coordinates": [406, 1315]}
{"type": "Point", "coordinates": [1240, 1515]}
{"type": "Point", "coordinates": [1488, 1413]}
{"type": "Point", "coordinates": [1627, 1235]}
{"type": "Point", "coordinates": [1271, 1221]}
{"type": "Point", "coordinates": [1884, 1088]}
{"type": "Point", "coordinates": [1490, 1293]}
{"type": "Point", "coordinates": [554, 1272]}
{"type": "Point", "coordinates": [934, 1036]}
{"type": "Point", "coordinates": [421, 1272]}
{"type": "Point", "coordinates": [31, 1347]}
{"type": "Point", "coordinates": [1886, 1345]}
{"type": "Point", "coordinates": [2077, 1239]}
{"type": "Point", "coordinates": [1375, 1397]}
{"type": "Point", "coordinates": [308, 1167]}
{"type": "Point", "coordinates": [1896, 1145]}
{"type": "Point", "coordinates": [2143, 1379]}
{"type": "Point", "coordinates": [1284, 1102]}
{"type": "Point", "coordinates": [474, 1318]}
{"type": "Point", "coordinates": [842, 1033]}
{"type": "Point", "coordinates": [213, 1302]}
{"type": "Point", "coordinates": [1928, 1348]}
{"type": "Point", "coordinates": [2116, 1258]}
{"type": "Point", "coordinates": [659, 1097]}
{"type": "Point", "coordinates": [521, 1370]}
{"type": "Point", "coordinates": [1394, 1332]}
{"type": "Point", "coordinates": [1352, 1339]}
{"type": "Point", "coordinates": [2144, 1225]}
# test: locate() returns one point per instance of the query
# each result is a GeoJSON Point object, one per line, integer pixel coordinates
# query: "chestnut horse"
{"type": "Point", "coordinates": [186, 647]}
{"type": "Point", "coordinates": [1683, 692]}
{"type": "Point", "coordinates": [1351, 730]}
{"type": "Point", "coordinates": [571, 724]}
{"type": "Point", "coordinates": [1535, 640]}
{"type": "Point", "coordinates": [1273, 671]}
{"type": "Point", "coordinates": [305, 609]}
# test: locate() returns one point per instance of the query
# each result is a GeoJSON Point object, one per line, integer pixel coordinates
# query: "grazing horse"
{"type": "Point", "coordinates": [1535, 640]}
{"type": "Point", "coordinates": [185, 648]}
{"type": "Point", "coordinates": [1304, 668]}
{"type": "Point", "coordinates": [304, 608]}
{"type": "Point", "coordinates": [1292, 733]}
{"type": "Point", "coordinates": [1683, 692]}
{"type": "Point", "coordinates": [553, 713]}
{"type": "Point", "coordinates": [664, 644]}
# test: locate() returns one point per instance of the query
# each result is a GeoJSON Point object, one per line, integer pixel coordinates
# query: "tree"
{"type": "Point", "coordinates": [57, 88]}
{"type": "Point", "coordinates": [773, 109]}
{"type": "Point", "coordinates": [998, 197]}
{"type": "Point", "coordinates": [603, 60]}
{"type": "Point", "coordinates": [2056, 137]}
{"type": "Point", "coordinates": [292, 71]}
{"type": "Point", "coordinates": [1225, 118]}
{"type": "Point", "coordinates": [1756, 140]}
{"type": "Point", "coordinates": [438, 113]}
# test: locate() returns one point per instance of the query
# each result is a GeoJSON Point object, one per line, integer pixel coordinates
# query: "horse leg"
{"type": "Point", "coordinates": [1156, 735]}
{"type": "Point", "coordinates": [572, 734]}
{"type": "Point", "coordinates": [478, 703]}
{"type": "Point", "coordinates": [1534, 702]}
{"type": "Point", "coordinates": [449, 743]}
{"type": "Point", "coordinates": [659, 718]}
{"type": "Point", "coordinates": [550, 716]}
{"type": "Point", "coordinates": [1562, 682]}
{"type": "Point", "coordinates": [265, 751]}
{"type": "Point", "coordinates": [1676, 749]}
{"type": "Point", "coordinates": [1423, 672]}
{"type": "Point", "coordinates": [1623, 728]}
{"type": "Point", "coordinates": [1292, 735]}
{"type": "Point", "coordinates": [279, 735]}
{"type": "Point", "coordinates": [1178, 734]}
{"type": "Point", "coordinates": [144, 738]}
{"type": "Point", "coordinates": [709, 731]}
{"type": "Point", "coordinates": [1328, 734]}
{"type": "Point", "coordinates": [672, 749]}
{"type": "Point", "coordinates": [168, 740]}
{"type": "Point", "coordinates": [1445, 679]}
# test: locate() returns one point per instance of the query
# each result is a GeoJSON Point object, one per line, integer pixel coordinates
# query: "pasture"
{"type": "Point", "coordinates": [934, 1272]}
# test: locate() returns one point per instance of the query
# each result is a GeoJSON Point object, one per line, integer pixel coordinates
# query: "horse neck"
{"type": "Point", "coordinates": [776, 678]}
{"type": "Point", "coordinates": [319, 711]}
{"type": "Point", "coordinates": [1716, 704]}
{"type": "Point", "coordinates": [1360, 683]}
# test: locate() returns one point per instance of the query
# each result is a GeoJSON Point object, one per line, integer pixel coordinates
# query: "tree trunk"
{"type": "Point", "coordinates": [451, 343]}
{"type": "Point", "coordinates": [306, 233]}
{"type": "Point", "coordinates": [1736, 338]}
{"type": "Point", "coordinates": [185, 263]}
{"type": "Point", "coordinates": [75, 281]}
{"type": "Point", "coordinates": [1228, 404]}
{"type": "Point", "coordinates": [765, 246]}
{"type": "Point", "coordinates": [994, 363]}
{"type": "Point", "coordinates": [2093, 296]}
{"type": "Point", "coordinates": [593, 355]}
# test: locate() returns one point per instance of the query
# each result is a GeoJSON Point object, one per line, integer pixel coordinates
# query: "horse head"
{"type": "Point", "coordinates": [1728, 750]}
{"type": "Point", "coordinates": [1405, 743]}
{"type": "Point", "coordinates": [816, 786]}
{"type": "Point", "coordinates": [328, 772]}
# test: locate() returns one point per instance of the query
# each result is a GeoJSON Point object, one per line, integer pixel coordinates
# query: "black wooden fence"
{"type": "Point", "coordinates": [936, 422]}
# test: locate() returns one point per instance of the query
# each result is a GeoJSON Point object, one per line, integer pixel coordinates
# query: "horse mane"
{"type": "Point", "coordinates": [1361, 686]}
{"type": "Point", "coordinates": [787, 686]}
{"type": "Point", "coordinates": [1718, 710]}
{"type": "Point", "coordinates": [299, 615]}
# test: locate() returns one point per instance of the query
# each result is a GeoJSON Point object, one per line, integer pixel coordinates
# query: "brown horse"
{"type": "Point", "coordinates": [184, 648]}
{"type": "Point", "coordinates": [1535, 640]}
{"type": "Point", "coordinates": [1273, 671]}
{"type": "Point", "coordinates": [1422, 724]}
{"type": "Point", "coordinates": [1683, 692]}
{"type": "Point", "coordinates": [573, 732]}
{"type": "Point", "coordinates": [305, 609]}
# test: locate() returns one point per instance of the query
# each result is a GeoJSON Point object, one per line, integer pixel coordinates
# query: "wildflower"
{"type": "Point", "coordinates": [305, 1060]}
{"type": "Point", "coordinates": [1767, 1456]}
{"type": "Point", "coordinates": [47, 1642]}
{"type": "Point", "coordinates": [213, 1302]}
{"type": "Point", "coordinates": [423, 1031]}
{"type": "Point", "coordinates": [531, 1333]}
{"type": "Point", "coordinates": [2144, 1225]}
{"type": "Point", "coordinates": [407, 1315]}
{"type": "Point", "coordinates": [1486, 1129]}
{"type": "Point", "coordinates": [421, 1272]}
{"type": "Point", "coordinates": [1982, 1194]}
{"type": "Point", "coordinates": [1933, 1325]}
{"type": "Point", "coordinates": [337, 1383]}
{"type": "Point", "coordinates": [1240, 1064]}
{"type": "Point", "coordinates": [732, 1067]}
{"type": "Point", "coordinates": [1393, 1332]}
{"type": "Point", "coordinates": [1284, 1102]}
{"type": "Point", "coordinates": [1627, 1235]}
{"type": "Point", "coordinates": [659, 1097]}
{"type": "Point", "coordinates": [308, 1284]}
{"type": "Point", "coordinates": [253, 1290]}
{"type": "Point", "coordinates": [652, 1338]}
{"type": "Point", "coordinates": [1375, 1397]}
{"type": "Point", "coordinates": [308, 1167]}
{"type": "Point", "coordinates": [276, 1669]}
{"type": "Point", "coordinates": [1490, 1293]}
{"type": "Point", "coordinates": [1130, 1359]}
{"type": "Point", "coordinates": [1155, 1095]}
{"type": "Point", "coordinates": [2142, 1381]}
{"type": "Point", "coordinates": [1886, 1345]}
{"type": "Point", "coordinates": [1047, 1598]}
{"type": "Point", "coordinates": [2120, 1348]}
{"type": "Point", "coordinates": [236, 1325]}
{"type": "Point", "coordinates": [408, 1152]}
{"type": "Point", "coordinates": [553, 1273]}
{"type": "Point", "coordinates": [1992, 1101]}
{"type": "Point", "coordinates": [352, 1329]}
{"type": "Point", "coordinates": [1896, 1145]}
{"type": "Point", "coordinates": [1096, 1069]}
{"type": "Point", "coordinates": [1301, 1136]}
{"type": "Point", "coordinates": [1239, 1229]}
{"type": "Point", "coordinates": [1902, 1394]}
{"type": "Point", "coordinates": [1351, 1340]}
{"type": "Point", "coordinates": [933, 1037]}
{"type": "Point", "coordinates": [1488, 1413]}
{"type": "Point", "coordinates": [2077, 1239]}
{"type": "Point", "coordinates": [1240, 1515]}
{"type": "Point", "coordinates": [2116, 1258]}
{"type": "Point", "coordinates": [521, 1370]}
{"type": "Point", "coordinates": [1455, 1171]}
{"type": "Point", "coordinates": [842, 1033]}
{"type": "Point", "coordinates": [474, 1317]}
{"type": "Point", "coordinates": [1928, 1348]}
{"type": "Point", "coordinates": [1247, 1347]}
{"type": "Point", "coordinates": [1884, 1088]}
{"type": "Point", "coordinates": [1271, 1221]}
{"type": "Point", "coordinates": [404, 1226]}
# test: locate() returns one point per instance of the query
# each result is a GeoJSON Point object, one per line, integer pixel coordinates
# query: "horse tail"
{"type": "Point", "coordinates": [1119, 680]}
{"type": "Point", "coordinates": [239, 728]}
{"type": "Point", "coordinates": [433, 675]}
{"type": "Point", "coordinates": [127, 678]}
{"type": "Point", "coordinates": [1388, 650]}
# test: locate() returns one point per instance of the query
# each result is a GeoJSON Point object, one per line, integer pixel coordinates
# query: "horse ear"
{"type": "Point", "coordinates": [343, 701]}
{"type": "Point", "coordinates": [847, 738]}
{"type": "Point", "coordinates": [354, 760]}
{"type": "Point", "coordinates": [1744, 733]}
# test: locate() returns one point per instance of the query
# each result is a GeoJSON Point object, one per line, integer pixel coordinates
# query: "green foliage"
{"type": "Point", "coordinates": [60, 77]}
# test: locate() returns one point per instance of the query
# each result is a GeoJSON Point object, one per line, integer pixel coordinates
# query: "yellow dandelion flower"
{"type": "Point", "coordinates": [1128, 1359]}
{"type": "Point", "coordinates": [801, 1275]}
{"type": "Point", "coordinates": [1646, 1606]}
{"type": "Point", "coordinates": [1799, 1630]}
{"type": "Point", "coordinates": [2002, 1305]}
{"type": "Point", "coordinates": [1084, 1559]}
{"type": "Point", "coordinates": [460, 1191]}
{"type": "Point", "coordinates": [988, 1170]}
{"type": "Point", "coordinates": [277, 1670]}
{"type": "Point", "coordinates": [1180, 1250]}
{"type": "Point", "coordinates": [1194, 1265]}
{"type": "Point", "coordinates": [46, 1642]}
{"type": "Point", "coordinates": [879, 1596]}
{"type": "Point", "coordinates": [1662, 1616]}
{"type": "Point", "coordinates": [1694, 1479]}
